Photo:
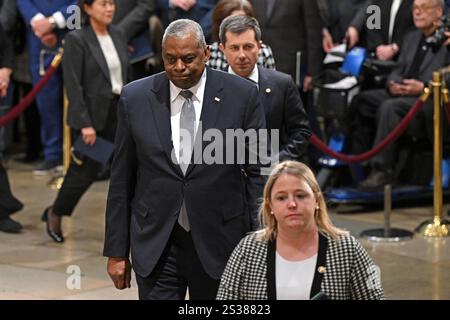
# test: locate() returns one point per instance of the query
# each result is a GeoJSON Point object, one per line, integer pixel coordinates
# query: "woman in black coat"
{"type": "Point", "coordinates": [95, 69]}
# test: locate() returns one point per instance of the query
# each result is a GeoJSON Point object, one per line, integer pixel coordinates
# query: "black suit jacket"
{"type": "Point", "coordinates": [147, 188]}
{"type": "Point", "coordinates": [403, 23]}
{"type": "Point", "coordinates": [6, 51]}
{"type": "Point", "coordinates": [294, 25]}
{"type": "Point", "coordinates": [132, 16]}
{"type": "Point", "coordinates": [86, 77]}
{"type": "Point", "coordinates": [284, 111]}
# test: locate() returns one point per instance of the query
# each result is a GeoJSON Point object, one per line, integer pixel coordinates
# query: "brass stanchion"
{"type": "Point", "coordinates": [437, 227]}
{"type": "Point", "coordinates": [56, 182]}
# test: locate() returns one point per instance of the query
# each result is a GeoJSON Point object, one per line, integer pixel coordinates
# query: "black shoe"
{"type": "Point", "coordinates": [56, 236]}
{"type": "Point", "coordinates": [47, 166]}
{"type": "Point", "coordinates": [376, 180]}
{"type": "Point", "coordinates": [8, 225]}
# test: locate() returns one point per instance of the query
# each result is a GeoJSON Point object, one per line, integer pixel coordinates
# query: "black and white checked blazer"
{"type": "Point", "coordinates": [218, 61]}
{"type": "Point", "coordinates": [344, 270]}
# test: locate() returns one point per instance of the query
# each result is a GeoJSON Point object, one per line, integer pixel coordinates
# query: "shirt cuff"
{"type": "Point", "coordinates": [59, 19]}
{"type": "Point", "coordinates": [38, 16]}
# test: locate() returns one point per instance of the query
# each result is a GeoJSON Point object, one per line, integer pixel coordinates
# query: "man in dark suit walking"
{"type": "Point", "coordinates": [240, 38]}
{"type": "Point", "coordinates": [180, 218]}
{"type": "Point", "coordinates": [378, 112]}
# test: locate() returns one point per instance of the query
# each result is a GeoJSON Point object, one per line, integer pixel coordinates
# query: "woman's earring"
{"type": "Point", "coordinates": [316, 212]}
{"type": "Point", "coordinates": [271, 212]}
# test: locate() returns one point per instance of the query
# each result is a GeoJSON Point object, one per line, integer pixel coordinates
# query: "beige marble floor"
{"type": "Point", "coordinates": [34, 267]}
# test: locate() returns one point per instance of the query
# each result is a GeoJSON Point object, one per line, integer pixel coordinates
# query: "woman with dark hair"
{"type": "Point", "coordinates": [298, 254]}
{"type": "Point", "coordinates": [95, 69]}
{"type": "Point", "coordinates": [223, 9]}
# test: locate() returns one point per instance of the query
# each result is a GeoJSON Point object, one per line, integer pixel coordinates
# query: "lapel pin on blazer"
{"type": "Point", "coordinates": [321, 269]}
{"type": "Point", "coordinates": [216, 99]}
{"type": "Point", "coordinates": [268, 90]}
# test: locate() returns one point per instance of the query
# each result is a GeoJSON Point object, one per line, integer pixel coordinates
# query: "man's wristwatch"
{"type": "Point", "coordinates": [52, 21]}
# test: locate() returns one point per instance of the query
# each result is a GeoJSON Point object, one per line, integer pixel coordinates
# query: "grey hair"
{"type": "Point", "coordinates": [440, 3]}
{"type": "Point", "coordinates": [238, 25]}
{"type": "Point", "coordinates": [182, 28]}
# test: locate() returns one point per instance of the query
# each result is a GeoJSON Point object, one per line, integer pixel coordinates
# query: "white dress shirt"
{"type": "Point", "coordinates": [254, 76]}
{"type": "Point", "coordinates": [113, 61]}
{"type": "Point", "coordinates": [176, 103]}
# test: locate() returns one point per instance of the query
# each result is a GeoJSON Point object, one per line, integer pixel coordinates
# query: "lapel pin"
{"type": "Point", "coordinates": [217, 99]}
{"type": "Point", "coordinates": [268, 90]}
{"type": "Point", "coordinates": [321, 269]}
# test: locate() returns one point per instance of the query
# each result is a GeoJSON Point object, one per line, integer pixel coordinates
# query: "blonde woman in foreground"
{"type": "Point", "coordinates": [298, 254]}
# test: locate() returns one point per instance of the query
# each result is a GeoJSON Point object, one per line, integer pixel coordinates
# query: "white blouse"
{"type": "Point", "coordinates": [113, 61]}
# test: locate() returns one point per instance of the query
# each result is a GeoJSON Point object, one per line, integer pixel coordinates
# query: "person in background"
{"type": "Point", "coordinates": [240, 42]}
{"type": "Point", "coordinates": [223, 9]}
{"type": "Point", "coordinates": [298, 254]}
{"type": "Point", "coordinates": [95, 68]}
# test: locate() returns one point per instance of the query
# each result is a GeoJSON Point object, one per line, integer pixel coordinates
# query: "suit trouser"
{"type": "Point", "coordinates": [49, 100]}
{"type": "Point", "coordinates": [377, 113]}
{"type": "Point", "coordinates": [8, 203]}
{"type": "Point", "coordinates": [80, 177]}
{"type": "Point", "coordinates": [178, 268]}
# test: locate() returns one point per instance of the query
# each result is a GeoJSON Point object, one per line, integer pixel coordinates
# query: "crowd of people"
{"type": "Point", "coordinates": [152, 76]}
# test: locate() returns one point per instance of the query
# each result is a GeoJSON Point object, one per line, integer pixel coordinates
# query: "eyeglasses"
{"type": "Point", "coordinates": [423, 8]}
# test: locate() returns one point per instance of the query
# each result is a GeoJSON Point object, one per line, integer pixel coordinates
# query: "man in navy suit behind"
{"type": "Point", "coordinates": [153, 192]}
{"type": "Point", "coordinates": [240, 38]}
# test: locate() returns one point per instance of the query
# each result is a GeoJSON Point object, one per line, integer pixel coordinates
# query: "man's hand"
{"type": "Point", "coordinates": [387, 52]}
{"type": "Point", "coordinates": [307, 83]}
{"type": "Point", "coordinates": [5, 74]}
{"type": "Point", "coordinates": [183, 4]}
{"type": "Point", "coordinates": [41, 27]}
{"type": "Point", "coordinates": [327, 40]}
{"type": "Point", "coordinates": [50, 40]}
{"type": "Point", "coordinates": [89, 135]}
{"type": "Point", "coordinates": [119, 269]}
{"type": "Point", "coordinates": [408, 87]}
{"type": "Point", "coordinates": [352, 37]}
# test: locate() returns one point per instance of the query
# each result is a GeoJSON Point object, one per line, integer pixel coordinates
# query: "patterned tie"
{"type": "Point", "coordinates": [270, 4]}
{"type": "Point", "coordinates": [187, 131]}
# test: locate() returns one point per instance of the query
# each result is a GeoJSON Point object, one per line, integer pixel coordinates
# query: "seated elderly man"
{"type": "Point", "coordinates": [377, 112]}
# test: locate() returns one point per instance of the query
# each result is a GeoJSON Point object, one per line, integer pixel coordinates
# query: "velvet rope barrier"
{"type": "Point", "coordinates": [394, 134]}
{"type": "Point", "coordinates": [26, 101]}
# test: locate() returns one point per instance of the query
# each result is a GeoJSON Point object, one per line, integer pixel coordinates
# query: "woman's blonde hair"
{"type": "Point", "coordinates": [301, 171]}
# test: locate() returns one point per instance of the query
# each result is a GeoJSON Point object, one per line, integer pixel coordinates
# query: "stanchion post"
{"type": "Point", "coordinates": [438, 228]}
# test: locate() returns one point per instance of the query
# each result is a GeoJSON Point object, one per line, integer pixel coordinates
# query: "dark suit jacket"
{"type": "Point", "coordinates": [294, 25]}
{"type": "Point", "coordinates": [86, 77]}
{"type": "Point", "coordinates": [147, 188]}
{"type": "Point", "coordinates": [8, 14]}
{"type": "Point", "coordinates": [6, 51]}
{"type": "Point", "coordinates": [403, 23]}
{"type": "Point", "coordinates": [432, 61]}
{"type": "Point", "coordinates": [132, 16]}
{"type": "Point", "coordinates": [284, 111]}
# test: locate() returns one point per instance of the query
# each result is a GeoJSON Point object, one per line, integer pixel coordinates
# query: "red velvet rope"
{"type": "Point", "coordinates": [26, 101]}
{"type": "Point", "coordinates": [394, 134]}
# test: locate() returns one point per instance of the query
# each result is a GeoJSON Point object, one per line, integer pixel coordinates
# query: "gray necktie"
{"type": "Point", "coordinates": [187, 130]}
{"type": "Point", "coordinates": [270, 4]}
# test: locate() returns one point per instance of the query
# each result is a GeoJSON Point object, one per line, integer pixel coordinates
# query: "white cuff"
{"type": "Point", "coordinates": [38, 16]}
{"type": "Point", "coordinates": [59, 19]}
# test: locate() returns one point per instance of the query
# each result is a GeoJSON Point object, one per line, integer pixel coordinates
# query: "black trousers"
{"type": "Point", "coordinates": [376, 113]}
{"type": "Point", "coordinates": [80, 177]}
{"type": "Point", "coordinates": [8, 203]}
{"type": "Point", "coordinates": [178, 268]}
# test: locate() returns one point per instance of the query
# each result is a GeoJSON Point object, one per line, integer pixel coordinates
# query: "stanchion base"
{"type": "Point", "coordinates": [56, 182]}
{"type": "Point", "coordinates": [430, 229]}
{"type": "Point", "coordinates": [389, 235]}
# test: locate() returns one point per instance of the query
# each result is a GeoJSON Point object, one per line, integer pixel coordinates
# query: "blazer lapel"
{"type": "Point", "coordinates": [271, 272]}
{"type": "Point", "coordinates": [122, 51]}
{"type": "Point", "coordinates": [320, 266]}
{"type": "Point", "coordinates": [161, 115]}
{"type": "Point", "coordinates": [97, 52]}
{"type": "Point", "coordinates": [265, 89]}
{"type": "Point", "coordinates": [210, 110]}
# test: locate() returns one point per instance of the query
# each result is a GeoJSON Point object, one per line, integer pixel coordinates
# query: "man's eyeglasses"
{"type": "Point", "coordinates": [423, 8]}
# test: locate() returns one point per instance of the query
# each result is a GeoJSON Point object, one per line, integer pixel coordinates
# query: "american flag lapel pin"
{"type": "Point", "coordinates": [216, 99]}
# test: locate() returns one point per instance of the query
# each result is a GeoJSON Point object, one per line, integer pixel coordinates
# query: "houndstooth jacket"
{"type": "Point", "coordinates": [218, 61]}
{"type": "Point", "coordinates": [344, 270]}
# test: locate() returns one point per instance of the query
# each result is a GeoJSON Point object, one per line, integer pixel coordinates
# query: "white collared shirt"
{"type": "Point", "coordinates": [176, 103]}
{"type": "Point", "coordinates": [254, 76]}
